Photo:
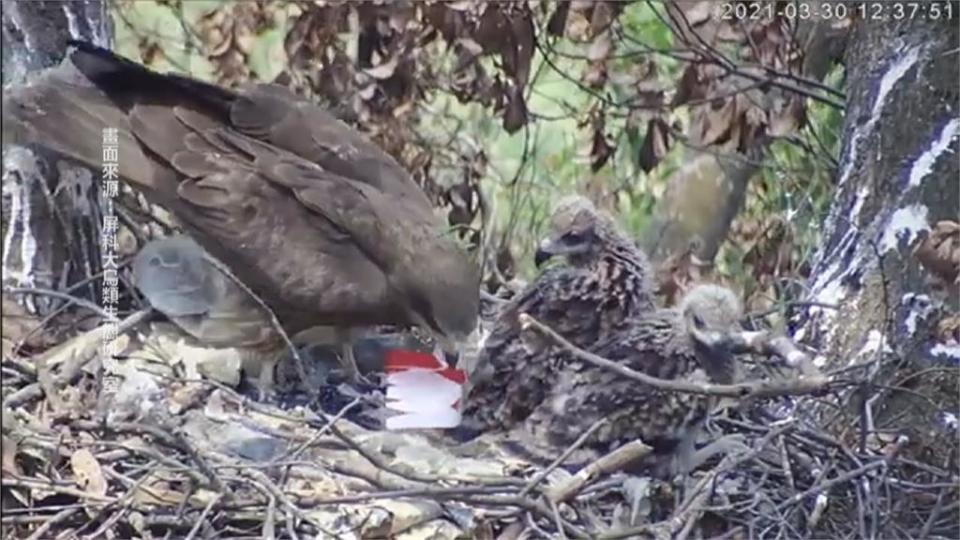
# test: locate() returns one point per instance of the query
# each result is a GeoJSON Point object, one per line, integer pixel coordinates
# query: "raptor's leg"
{"type": "Point", "coordinates": [349, 361]}
{"type": "Point", "coordinates": [265, 381]}
{"type": "Point", "coordinates": [264, 366]}
{"type": "Point", "coordinates": [339, 339]}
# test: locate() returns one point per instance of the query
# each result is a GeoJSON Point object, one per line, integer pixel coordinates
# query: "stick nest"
{"type": "Point", "coordinates": [147, 445]}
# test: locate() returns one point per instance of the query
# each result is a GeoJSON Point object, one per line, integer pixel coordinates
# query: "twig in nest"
{"type": "Point", "coordinates": [203, 517]}
{"type": "Point", "coordinates": [45, 527]}
{"type": "Point", "coordinates": [265, 485]}
{"type": "Point", "coordinates": [71, 368]}
{"type": "Point", "coordinates": [74, 355]}
{"type": "Point", "coordinates": [62, 296]}
{"type": "Point", "coordinates": [484, 295]}
{"type": "Point", "coordinates": [295, 453]}
{"type": "Point", "coordinates": [845, 477]}
{"type": "Point", "coordinates": [274, 321]}
{"type": "Point", "coordinates": [754, 389]}
{"type": "Point", "coordinates": [566, 453]}
{"type": "Point", "coordinates": [164, 435]}
{"type": "Point", "coordinates": [687, 513]}
{"type": "Point", "coordinates": [612, 462]}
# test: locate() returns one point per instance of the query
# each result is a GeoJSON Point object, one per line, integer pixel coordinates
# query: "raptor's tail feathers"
{"type": "Point", "coordinates": [128, 82]}
{"type": "Point", "coordinates": [59, 110]}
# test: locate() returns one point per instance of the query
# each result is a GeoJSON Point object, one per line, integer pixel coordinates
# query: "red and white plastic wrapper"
{"type": "Point", "coordinates": [423, 390]}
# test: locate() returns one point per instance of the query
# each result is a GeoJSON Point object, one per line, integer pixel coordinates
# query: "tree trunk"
{"type": "Point", "coordinates": [50, 216]}
{"type": "Point", "coordinates": [898, 176]}
{"type": "Point", "coordinates": [705, 195]}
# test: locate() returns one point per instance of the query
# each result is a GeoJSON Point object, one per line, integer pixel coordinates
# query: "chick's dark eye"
{"type": "Point", "coordinates": [573, 237]}
{"type": "Point", "coordinates": [698, 322]}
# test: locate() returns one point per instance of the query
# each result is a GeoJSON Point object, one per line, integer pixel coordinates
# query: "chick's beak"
{"type": "Point", "coordinates": [545, 251]}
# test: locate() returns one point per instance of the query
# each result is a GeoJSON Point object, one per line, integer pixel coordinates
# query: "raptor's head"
{"type": "Point", "coordinates": [577, 231]}
{"type": "Point", "coordinates": [444, 298]}
{"type": "Point", "coordinates": [709, 313]}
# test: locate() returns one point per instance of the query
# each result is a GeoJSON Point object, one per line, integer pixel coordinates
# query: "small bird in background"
{"type": "Point", "coordinates": [607, 279]}
{"type": "Point", "coordinates": [180, 280]}
{"type": "Point", "coordinates": [664, 343]}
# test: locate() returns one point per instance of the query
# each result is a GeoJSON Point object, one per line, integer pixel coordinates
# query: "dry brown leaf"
{"type": "Point", "coordinates": [939, 253]}
{"type": "Point", "coordinates": [948, 329]}
{"type": "Point", "coordinates": [515, 114]}
{"type": "Point", "coordinates": [600, 149]}
{"type": "Point", "coordinates": [675, 274]}
{"type": "Point", "coordinates": [557, 24]}
{"type": "Point", "coordinates": [8, 456]}
{"type": "Point", "coordinates": [600, 48]}
{"type": "Point", "coordinates": [604, 14]}
{"type": "Point", "coordinates": [87, 472]}
{"type": "Point", "coordinates": [788, 120]}
{"type": "Point", "coordinates": [716, 123]}
{"type": "Point", "coordinates": [656, 144]}
{"type": "Point", "coordinates": [578, 21]}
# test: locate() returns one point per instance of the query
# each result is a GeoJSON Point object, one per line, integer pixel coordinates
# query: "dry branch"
{"type": "Point", "coordinates": [803, 385]}
{"type": "Point", "coordinates": [612, 462]}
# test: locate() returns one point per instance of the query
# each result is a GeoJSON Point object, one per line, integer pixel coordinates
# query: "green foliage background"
{"type": "Point", "coordinates": [528, 170]}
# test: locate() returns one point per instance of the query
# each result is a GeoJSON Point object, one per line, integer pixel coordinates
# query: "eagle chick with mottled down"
{"type": "Point", "coordinates": [606, 281]}
{"type": "Point", "coordinates": [662, 344]}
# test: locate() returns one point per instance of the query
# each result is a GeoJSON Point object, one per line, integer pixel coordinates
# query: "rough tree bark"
{"type": "Point", "coordinates": [49, 207]}
{"type": "Point", "coordinates": [898, 175]}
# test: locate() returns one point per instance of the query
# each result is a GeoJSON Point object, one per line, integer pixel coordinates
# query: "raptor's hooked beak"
{"type": "Point", "coordinates": [463, 351]}
{"type": "Point", "coordinates": [449, 350]}
{"type": "Point", "coordinates": [547, 249]}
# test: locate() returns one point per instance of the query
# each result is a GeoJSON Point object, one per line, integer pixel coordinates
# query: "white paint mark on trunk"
{"type": "Point", "coordinates": [946, 351]}
{"type": "Point", "coordinates": [924, 164]}
{"type": "Point", "coordinates": [920, 308]}
{"type": "Point", "coordinates": [894, 73]}
{"type": "Point", "coordinates": [905, 225]}
{"type": "Point", "coordinates": [828, 286]}
{"type": "Point", "coordinates": [831, 293]}
{"type": "Point", "coordinates": [18, 21]}
{"type": "Point", "coordinates": [862, 194]}
{"type": "Point", "coordinates": [851, 158]}
{"type": "Point", "coordinates": [13, 190]}
{"type": "Point", "coordinates": [72, 25]}
{"type": "Point", "coordinates": [897, 70]}
{"type": "Point", "coordinates": [20, 159]}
